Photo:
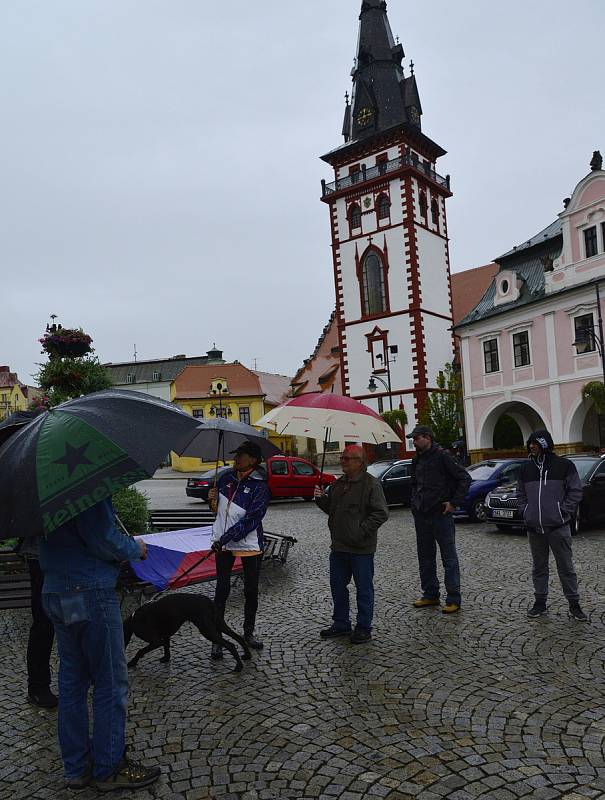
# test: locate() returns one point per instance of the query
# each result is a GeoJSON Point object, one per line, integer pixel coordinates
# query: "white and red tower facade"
{"type": "Point", "coordinates": [389, 232]}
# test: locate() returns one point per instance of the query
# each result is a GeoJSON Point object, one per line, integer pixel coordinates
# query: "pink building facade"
{"type": "Point", "coordinates": [520, 367]}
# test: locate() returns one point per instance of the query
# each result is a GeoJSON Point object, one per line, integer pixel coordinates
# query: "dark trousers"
{"type": "Point", "coordinates": [360, 567]}
{"type": "Point", "coordinates": [252, 566]}
{"type": "Point", "coordinates": [432, 530]}
{"type": "Point", "coordinates": [41, 634]}
{"type": "Point", "coordinates": [559, 542]}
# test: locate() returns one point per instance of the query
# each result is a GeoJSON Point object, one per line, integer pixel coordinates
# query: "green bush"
{"type": "Point", "coordinates": [132, 508]}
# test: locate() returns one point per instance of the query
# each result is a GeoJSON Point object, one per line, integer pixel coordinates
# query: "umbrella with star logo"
{"type": "Point", "coordinates": [81, 452]}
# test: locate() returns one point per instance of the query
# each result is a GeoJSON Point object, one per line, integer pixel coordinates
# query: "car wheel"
{"type": "Point", "coordinates": [307, 499]}
{"type": "Point", "coordinates": [478, 511]}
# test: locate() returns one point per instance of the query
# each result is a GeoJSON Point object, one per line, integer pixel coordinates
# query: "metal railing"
{"type": "Point", "coordinates": [384, 168]}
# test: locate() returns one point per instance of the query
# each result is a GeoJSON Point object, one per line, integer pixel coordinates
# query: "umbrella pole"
{"type": "Point", "coordinates": [323, 455]}
{"type": "Point", "coordinates": [121, 525]}
{"type": "Point", "coordinates": [214, 505]}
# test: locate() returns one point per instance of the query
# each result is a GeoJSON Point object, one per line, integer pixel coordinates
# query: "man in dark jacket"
{"type": "Point", "coordinates": [438, 487]}
{"type": "Point", "coordinates": [550, 489]}
{"type": "Point", "coordinates": [356, 508]}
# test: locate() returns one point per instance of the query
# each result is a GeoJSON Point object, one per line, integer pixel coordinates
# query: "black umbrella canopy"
{"type": "Point", "coordinates": [81, 452]}
{"type": "Point", "coordinates": [230, 434]}
{"type": "Point", "coordinates": [15, 422]}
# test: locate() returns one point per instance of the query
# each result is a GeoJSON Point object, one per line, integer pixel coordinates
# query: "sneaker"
{"type": "Point", "coordinates": [360, 635]}
{"type": "Point", "coordinates": [216, 653]}
{"type": "Point", "coordinates": [43, 698]}
{"type": "Point", "coordinates": [425, 602]}
{"type": "Point", "coordinates": [537, 610]}
{"type": "Point", "coordinates": [450, 608]}
{"type": "Point", "coordinates": [576, 612]}
{"type": "Point", "coordinates": [81, 782]}
{"type": "Point", "coordinates": [253, 642]}
{"type": "Point", "coordinates": [128, 775]}
{"type": "Point", "coordinates": [332, 632]}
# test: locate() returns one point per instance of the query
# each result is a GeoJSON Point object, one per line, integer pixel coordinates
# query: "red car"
{"type": "Point", "coordinates": [287, 476]}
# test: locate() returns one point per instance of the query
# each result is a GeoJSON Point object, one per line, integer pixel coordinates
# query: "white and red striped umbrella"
{"type": "Point", "coordinates": [324, 415]}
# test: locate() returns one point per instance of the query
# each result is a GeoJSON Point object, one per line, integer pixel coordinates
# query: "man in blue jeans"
{"type": "Point", "coordinates": [81, 561]}
{"type": "Point", "coordinates": [438, 487]}
{"type": "Point", "coordinates": [356, 508]}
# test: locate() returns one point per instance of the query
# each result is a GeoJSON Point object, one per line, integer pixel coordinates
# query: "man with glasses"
{"type": "Point", "coordinates": [439, 485]}
{"type": "Point", "coordinates": [356, 508]}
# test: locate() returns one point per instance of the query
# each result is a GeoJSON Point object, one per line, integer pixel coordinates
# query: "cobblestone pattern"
{"type": "Point", "coordinates": [483, 704]}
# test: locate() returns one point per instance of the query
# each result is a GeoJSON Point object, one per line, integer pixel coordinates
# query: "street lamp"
{"type": "Point", "coordinates": [393, 350]}
{"type": "Point", "coordinates": [588, 339]}
{"type": "Point", "coordinates": [218, 410]}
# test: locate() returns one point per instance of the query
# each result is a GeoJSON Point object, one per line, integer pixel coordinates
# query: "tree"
{"type": "Point", "coordinates": [595, 391]}
{"type": "Point", "coordinates": [397, 419]}
{"type": "Point", "coordinates": [443, 409]}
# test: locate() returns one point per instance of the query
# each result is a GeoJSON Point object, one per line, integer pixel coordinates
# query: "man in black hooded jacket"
{"type": "Point", "coordinates": [550, 490]}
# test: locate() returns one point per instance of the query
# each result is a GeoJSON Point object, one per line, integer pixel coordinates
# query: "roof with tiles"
{"type": "Point", "coordinates": [322, 368]}
{"type": "Point", "coordinates": [527, 261]}
{"type": "Point", "coordinates": [145, 371]}
{"type": "Point", "coordinates": [8, 379]}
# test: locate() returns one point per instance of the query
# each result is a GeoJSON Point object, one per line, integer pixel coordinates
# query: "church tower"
{"type": "Point", "coordinates": [389, 231]}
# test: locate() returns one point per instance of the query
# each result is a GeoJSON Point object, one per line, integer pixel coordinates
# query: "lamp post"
{"type": "Point", "coordinates": [218, 411]}
{"type": "Point", "coordinates": [588, 338]}
{"type": "Point", "coordinates": [393, 350]}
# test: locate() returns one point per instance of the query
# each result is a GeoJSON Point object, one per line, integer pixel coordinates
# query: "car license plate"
{"type": "Point", "coordinates": [503, 512]}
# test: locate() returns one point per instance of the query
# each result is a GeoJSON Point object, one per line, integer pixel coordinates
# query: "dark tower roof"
{"type": "Point", "coordinates": [382, 96]}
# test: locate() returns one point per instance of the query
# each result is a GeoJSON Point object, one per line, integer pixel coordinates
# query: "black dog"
{"type": "Point", "coordinates": [157, 621]}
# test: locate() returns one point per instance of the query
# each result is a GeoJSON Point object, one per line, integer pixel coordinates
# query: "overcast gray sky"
{"type": "Point", "coordinates": [160, 170]}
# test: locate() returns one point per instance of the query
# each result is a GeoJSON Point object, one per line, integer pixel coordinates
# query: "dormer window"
{"type": "Point", "coordinates": [508, 285]}
{"type": "Point", "coordinates": [130, 378]}
{"type": "Point", "coordinates": [156, 375]}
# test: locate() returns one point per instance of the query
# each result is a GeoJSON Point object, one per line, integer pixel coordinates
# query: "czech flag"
{"type": "Point", "coordinates": [171, 554]}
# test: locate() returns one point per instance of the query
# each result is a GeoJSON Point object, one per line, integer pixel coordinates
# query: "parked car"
{"type": "Point", "coordinates": [287, 476]}
{"type": "Point", "coordinates": [502, 504]}
{"type": "Point", "coordinates": [486, 475]}
{"type": "Point", "coordinates": [395, 478]}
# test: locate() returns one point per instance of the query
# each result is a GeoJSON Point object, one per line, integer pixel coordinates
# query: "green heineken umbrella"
{"type": "Point", "coordinates": [81, 452]}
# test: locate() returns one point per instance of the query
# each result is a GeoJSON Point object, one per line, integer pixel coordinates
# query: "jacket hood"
{"type": "Point", "coordinates": [543, 438]}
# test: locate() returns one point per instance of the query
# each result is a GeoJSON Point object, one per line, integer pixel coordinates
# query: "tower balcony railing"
{"type": "Point", "coordinates": [384, 168]}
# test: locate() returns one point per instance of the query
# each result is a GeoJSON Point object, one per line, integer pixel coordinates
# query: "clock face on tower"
{"type": "Point", "coordinates": [365, 116]}
{"type": "Point", "coordinates": [414, 115]}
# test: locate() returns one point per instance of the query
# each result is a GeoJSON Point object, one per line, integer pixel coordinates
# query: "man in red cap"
{"type": "Point", "coordinates": [356, 508]}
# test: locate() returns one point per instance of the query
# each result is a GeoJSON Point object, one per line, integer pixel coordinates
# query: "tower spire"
{"type": "Point", "coordinates": [382, 96]}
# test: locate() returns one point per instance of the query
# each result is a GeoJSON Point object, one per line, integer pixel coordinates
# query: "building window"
{"type": "Point", "coordinates": [198, 413]}
{"type": "Point", "coordinates": [355, 173]}
{"type": "Point", "coordinates": [603, 235]}
{"type": "Point", "coordinates": [244, 414]}
{"type": "Point", "coordinates": [374, 296]}
{"type": "Point", "coordinates": [490, 355]}
{"type": "Point", "coordinates": [423, 203]}
{"type": "Point", "coordinates": [584, 330]}
{"type": "Point", "coordinates": [156, 375]}
{"type": "Point", "coordinates": [590, 241]}
{"type": "Point", "coordinates": [521, 348]}
{"type": "Point", "coordinates": [435, 211]}
{"type": "Point", "coordinates": [355, 216]}
{"type": "Point", "coordinates": [381, 163]}
{"type": "Point", "coordinates": [384, 207]}
{"type": "Point", "coordinates": [130, 378]}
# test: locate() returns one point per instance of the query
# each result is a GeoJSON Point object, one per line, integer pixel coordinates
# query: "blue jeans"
{"type": "Point", "coordinates": [90, 642]}
{"type": "Point", "coordinates": [432, 530]}
{"type": "Point", "coordinates": [360, 567]}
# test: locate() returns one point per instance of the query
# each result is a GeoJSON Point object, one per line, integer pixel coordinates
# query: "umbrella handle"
{"type": "Point", "coordinates": [323, 456]}
{"type": "Point", "coordinates": [214, 503]}
{"type": "Point", "coordinates": [121, 525]}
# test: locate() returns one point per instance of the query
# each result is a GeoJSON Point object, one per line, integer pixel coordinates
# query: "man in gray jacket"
{"type": "Point", "coordinates": [549, 489]}
{"type": "Point", "coordinates": [356, 508]}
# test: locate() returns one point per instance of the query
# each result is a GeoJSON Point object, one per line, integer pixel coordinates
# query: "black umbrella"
{"type": "Point", "coordinates": [81, 452]}
{"type": "Point", "coordinates": [216, 433]}
{"type": "Point", "coordinates": [15, 422]}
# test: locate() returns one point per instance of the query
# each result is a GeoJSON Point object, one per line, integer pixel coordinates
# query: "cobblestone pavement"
{"type": "Point", "coordinates": [483, 704]}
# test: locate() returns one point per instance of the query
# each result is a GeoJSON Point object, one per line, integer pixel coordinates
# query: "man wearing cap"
{"type": "Point", "coordinates": [241, 499]}
{"type": "Point", "coordinates": [438, 487]}
{"type": "Point", "coordinates": [356, 508]}
{"type": "Point", "coordinates": [549, 490]}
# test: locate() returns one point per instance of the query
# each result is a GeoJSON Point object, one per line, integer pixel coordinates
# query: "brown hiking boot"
{"type": "Point", "coordinates": [425, 602]}
{"type": "Point", "coordinates": [128, 775]}
{"type": "Point", "coordinates": [450, 608]}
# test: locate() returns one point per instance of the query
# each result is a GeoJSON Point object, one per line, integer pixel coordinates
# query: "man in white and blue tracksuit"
{"type": "Point", "coordinates": [549, 490]}
{"type": "Point", "coordinates": [241, 499]}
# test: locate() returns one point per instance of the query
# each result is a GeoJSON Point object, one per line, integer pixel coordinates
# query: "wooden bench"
{"type": "Point", "coordinates": [15, 591]}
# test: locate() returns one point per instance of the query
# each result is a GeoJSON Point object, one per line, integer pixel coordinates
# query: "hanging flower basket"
{"type": "Point", "coordinates": [66, 343]}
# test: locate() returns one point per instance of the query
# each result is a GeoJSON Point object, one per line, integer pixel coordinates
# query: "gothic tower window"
{"type": "Point", "coordinates": [355, 216]}
{"type": "Point", "coordinates": [422, 202]}
{"type": "Point", "coordinates": [384, 207]}
{"type": "Point", "coordinates": [373, 285]}
{"type": "Point", "coordinates": [435, 211]}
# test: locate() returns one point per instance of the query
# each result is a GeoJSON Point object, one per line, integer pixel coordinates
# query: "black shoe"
{"type": "Point", "coordinates": [216, 653]}
{"type": "Point", "coordinates": [576, 612]}
{"type": "Point", "coordinates": [252, 642]}
{"type": "Point", "coordinates": [43, 698]}
{"type": "Point", "coordinates": [332, 632]}
{"type": "Point", "coordinates": [81, 782]}
{"type": "Point", "coordinates": [537, 610]}
{"type": "Point", "coordinates": [359, 636]}
{"type": "Point", "coordinates": [129, 775]}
